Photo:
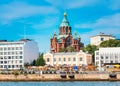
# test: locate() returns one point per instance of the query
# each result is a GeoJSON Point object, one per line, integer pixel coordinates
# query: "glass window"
{"type": "Point", "coordinates": [59, 59]}
{"type": "Point", "coordinates": [12, 66]}
{"type": "Point", "coordinates": [20, 61]}
{"type": "Point", "coordinates": [116, 57]}
{"type": "Point", "coordinates": [12, 57]}
{"type": "Point", "coordinates": [102, 39]}
{"type": "Point", "coordinates": [101, 57]}
{"type": "Point", "coordinates": [5, 53]}
{"type": "Point", "coordinates": [20, 57]}
{"type": "Point", "coordinates": [1, 66]}
{"type": "Point", "coordinates": [48, 59]}
{"type": "Point", "coordinates": [8, 53]}
{"type": "Point", "coordinates": [20, 66]}
{"type": "Point", "coordinates": [8, 48]}
{"type": "Point", "coordinates": [1, 57]}
{"type": "Point", "coordinates": [111, 61]}
{"type": "Point", "coordinates": [64, 59]}
{"type": "Point", "coordinates": [16, 48]}
{"type": "Point", "coordinates": [1, 62]}
{"type": "Point", "coordinates": [12, 48]}
{"type": "Point", "coordinates": [68, 59]}
{"type": "Point", "coordinates": [1, 48]}
{"type": "Point", "coordinates": [20, 48]}
{"type": "Point", "coordinates": [106, 57]}
{"type": "Point", "coordinates": [21, 52]}
{"type": "Point", "coordinates": [5, 66]}
{"type": "Point", "coordinates": [9, 66]}
{"type": "Point", "coordinates": [74, 59]}
{"type": "Point", "coordinates": [13, 53]}
{"type": "Point", "coordinates": [5, 57]}
{"type": "Point", "coordinates": [9, 57]}
{"type": "Point", "coordinates": [16, 53]}
{"type": "Point", "coordinates": [1, 53]}
{"type": "Point", "coordinates": [5, 62]}
{"type": "Point", "coordinates": [81, 59]}
{"type": "Point", "coordinates": [5, 48]}
{"type": "Point", "coordinates": [55, 59]}
{"type": "Point", "coordinates": [97, 53]}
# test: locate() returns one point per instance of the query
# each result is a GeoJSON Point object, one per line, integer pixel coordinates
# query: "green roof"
{"type": "Point", "coordinates": [62, 36]}
{"type": "Point", "coordinates": [75, 36]}
{"type": "Point", "coordinates": [65, 22]}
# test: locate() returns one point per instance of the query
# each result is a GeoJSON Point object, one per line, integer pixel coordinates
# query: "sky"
{"type": "Point", "coordinates": [39, 19]}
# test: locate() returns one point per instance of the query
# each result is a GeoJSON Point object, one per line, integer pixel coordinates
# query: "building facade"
{"type": "Point", "coordinates": [65, 38]}
{"type": "Point", "coordinates": [68, 58]}
{"type": "Point", "coordinates": [13, 55]}
{"type": "Point", "coordinates": [96, 40]}
{"type": "Point", "coordinates": [108, 55]}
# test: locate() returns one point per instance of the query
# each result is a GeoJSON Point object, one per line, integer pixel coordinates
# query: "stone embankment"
{"type": "Point", "coordinates": [57, 77]}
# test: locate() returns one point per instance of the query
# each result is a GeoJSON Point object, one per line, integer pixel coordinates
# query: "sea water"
{"type": "Point", "coordinates": [73, 83]}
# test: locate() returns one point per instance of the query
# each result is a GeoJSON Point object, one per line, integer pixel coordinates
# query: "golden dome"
{"type": "Point", "coordinates": [65, 14]}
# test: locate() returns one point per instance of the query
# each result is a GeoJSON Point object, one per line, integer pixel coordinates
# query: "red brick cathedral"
{"type": "Point", "coordinates": [65, 39]}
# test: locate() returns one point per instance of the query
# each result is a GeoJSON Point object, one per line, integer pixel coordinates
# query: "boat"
{"type": "Point", "coordinates": [71, 76]}
{"type": "Point", "coordinates": [112, 75]}
{"type": "Point", "coordinates": [63, 75]}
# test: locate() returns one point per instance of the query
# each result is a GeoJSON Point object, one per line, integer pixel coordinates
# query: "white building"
{"type": "Point", "coordinates": [96, 40]}
{"type": "Point", "coordinates": [68, 58]}
{"type": "Point", "coordinates": [13, 55]}
{"type": "Point", "coordinates": [108, 55]}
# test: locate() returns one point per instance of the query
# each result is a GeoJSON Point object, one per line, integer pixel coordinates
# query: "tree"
{"type": "Point", "coordinates": [70, 49]}
{"type": "Point", "coordinates": [91, 49]}
{"type": "Point", "coordinates": [34, 63]}
{"type": "Point", "coordinates": [16, 73]}
{"type": "Point", "coordinates": [40, 61]}
{"type": "Point", "coordinates": [62, 49]}
{"type": "Point", "coordinates": [110, 43]}
{"type": "Point", "coordinates": [26, 65]}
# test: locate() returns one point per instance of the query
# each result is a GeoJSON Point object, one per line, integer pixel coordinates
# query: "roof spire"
{"type": "Point", "coordinates": [65, 14]}
{"type": "Point", "coordinates": [65, 21]}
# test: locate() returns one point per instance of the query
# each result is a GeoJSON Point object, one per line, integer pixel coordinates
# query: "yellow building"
{"type": "Point", "coordinates": [68, 58]}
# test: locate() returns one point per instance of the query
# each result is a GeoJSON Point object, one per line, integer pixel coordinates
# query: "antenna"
{"type": "Point", "coordinates": [24, 32]}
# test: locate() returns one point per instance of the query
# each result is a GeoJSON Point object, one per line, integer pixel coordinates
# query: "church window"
{"type": "Point", "coordinates": [68, 41]}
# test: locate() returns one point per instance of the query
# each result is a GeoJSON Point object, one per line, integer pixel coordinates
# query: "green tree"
{"type": "Point", "coordinates": [40, 61]}
{"type": "Point", "coordinates": [34, 63]}
{"type": "Point", "coordinates": [26, 65]}
{"type": "Point", "coordinates": [91, 49]}
{"type": "Point", "coordinates": [16, 73]}
{"type": "Point", "coordinates": [62, 49]}
{"type": "Point", "coordinates": [110, 43]}
{"type": "Point", "coordinates": [70, 49]}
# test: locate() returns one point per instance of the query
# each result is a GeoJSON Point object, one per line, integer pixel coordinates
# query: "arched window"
{"type": "Point", "coordinates": [68, 41]}
{"type": "Point", "coordinates": [48, 59]}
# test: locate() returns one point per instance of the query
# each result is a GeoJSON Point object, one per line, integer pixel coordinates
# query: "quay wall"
{"type": "Point", "coordinates": [57, 77]}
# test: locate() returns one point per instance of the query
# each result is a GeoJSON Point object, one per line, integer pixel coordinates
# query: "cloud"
{"type": "Point", "coordinates": [47, 22]}
{"type": "Point", "coordinates": [67, 4]}
{"type": "Point", "coordinates": [107, 24]}
{"type": "Point", "coordinates": [114, 4]}
{"type": "Point", "coordinates": [111, 21]}
{"type": "Point", "coordinates": [16, 10]}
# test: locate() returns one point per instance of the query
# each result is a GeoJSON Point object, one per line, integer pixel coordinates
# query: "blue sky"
{"type": "Point", "coordinates": [41, 18]}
